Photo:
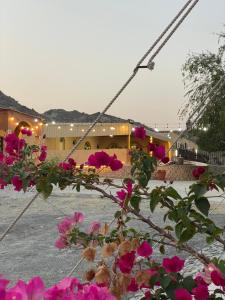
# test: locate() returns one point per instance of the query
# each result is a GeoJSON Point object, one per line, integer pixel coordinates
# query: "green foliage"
{"type": "Point", "coordinates": [201, 73]}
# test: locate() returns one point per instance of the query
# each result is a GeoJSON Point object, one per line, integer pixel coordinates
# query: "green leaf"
{"type": "Point", "coordinates": [187, 234]}
{"type": "Point", "coordinates": [171, 192]}
{"type": "Point", "coordinates": [178, 229]}
{"type": "Point", "coordinates": [165, 281]}
{"type": "Point", "coordinates": [189, 283]}
{"type": "Point", "coordinates": [199, 189]}
{"type": "Point", "coordinates": [154, 200]}
{"type": "Point", "coordinates": [203, 205]}
{"type": "Point", "coordinates": [135, 202]}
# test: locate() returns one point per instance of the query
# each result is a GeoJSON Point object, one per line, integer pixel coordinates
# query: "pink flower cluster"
{"type": "Point", "coordinates": [43, 155]}
{"type": "Point", "coordinates": [102, 159]}
{"type": "Point", "coordinates": [65, 228]}
{"type": "Point", "coordinates": [68, 224]}
{"type": "Point", "coordinates": [140, 132]}
{"type": "Point", "coordinates": [66, 289]}
{"type": "Point", "coordinates": [198, 171]}
{"type": "Point", "coordinates": [14, 145]}
{"type": "Point", "coordinates": [122, 195]}
{"type": "Point", "coordinates": [69, 165]}
{"type": "Point", "coordinates": [158, 152]}
{"type": "Point", "coordinates": [26, 131]}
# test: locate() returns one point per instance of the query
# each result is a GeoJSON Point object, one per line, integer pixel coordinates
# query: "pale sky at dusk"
{"type": "Point", "coordinates": [75, 54]}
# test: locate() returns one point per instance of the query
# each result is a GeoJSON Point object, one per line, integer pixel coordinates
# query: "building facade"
{"type": "Point", "coordinates": [113, 138]}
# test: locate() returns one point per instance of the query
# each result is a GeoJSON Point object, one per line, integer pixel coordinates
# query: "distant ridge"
{"type": "Point", "coordinates": [8, 102]}
{"type": "Point", "coordinates": [64, 116]}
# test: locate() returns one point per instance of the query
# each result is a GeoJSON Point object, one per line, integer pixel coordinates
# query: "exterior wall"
{"type": "Point", "coordinates": [3, 120]}
{"type": "Point", "coordinates": [81, 156]}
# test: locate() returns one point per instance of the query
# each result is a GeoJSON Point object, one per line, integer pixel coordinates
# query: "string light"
{"type": "Point", "coordinates": [93, 130]}
{"type": "Point", "coordinates": [53, 122]}
{"type": "Point", "coordinates": [103, 129]}
{"type": "Point", "coordinates": [71, 129]}
{"type": "Point", "coordinates": [17, 124]}
{"type": "Point", "coordinates": [59, 127]}
{"type": "Point", "coordinates": [111, 135]}
{"type": "Point", "coordinates": [112, 128]}
{"type": "Point", "coordinates": [46, 124]}
{"type": "Point", "coordinates": [82, 130]}
{"type": "Point", "coordinates": [36, 127]}
{"type": "Point", "coordinates": [12, 118]}
{"type": "Point", "coordinates": [71, 125]}
{"type": "Point", "coordinates": [35, 120]}
{"type": "Point", "coordinates": [41, 124]}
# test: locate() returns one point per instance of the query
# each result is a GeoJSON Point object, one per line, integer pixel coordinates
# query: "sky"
{"type": "Point", "coordinates": [76, 54]}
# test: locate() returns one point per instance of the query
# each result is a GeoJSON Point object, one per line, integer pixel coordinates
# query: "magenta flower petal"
{"type": "Point", "coordinates": [174, 264]}
{"type": "Point", "coordinates": [182, 294]}
{"type": "Point", "coordinates": [145, 249]}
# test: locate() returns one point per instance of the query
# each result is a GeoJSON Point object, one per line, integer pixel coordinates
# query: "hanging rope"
{"type": "Point", "coordinates": [120, 91]}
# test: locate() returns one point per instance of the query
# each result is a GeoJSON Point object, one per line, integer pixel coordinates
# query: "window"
{"type": "Point", "coordinates": [87, 146]}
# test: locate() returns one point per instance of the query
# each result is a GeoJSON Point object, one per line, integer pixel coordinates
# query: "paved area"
{"type": "Point", "coordinates": [29, 249]}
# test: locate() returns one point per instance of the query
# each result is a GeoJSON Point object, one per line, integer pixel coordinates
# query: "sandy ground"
{"type": "Point", "coordinates": [29, 249]}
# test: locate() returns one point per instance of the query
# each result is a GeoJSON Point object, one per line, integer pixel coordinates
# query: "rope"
{"type": "Point", "coordinates": [118, 94]}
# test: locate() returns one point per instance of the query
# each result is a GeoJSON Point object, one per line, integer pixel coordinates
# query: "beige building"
{"type": "Point", "coordinates": [110, 137]}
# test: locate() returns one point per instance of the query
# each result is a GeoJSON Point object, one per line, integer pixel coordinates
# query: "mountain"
{"type": "Point", "coordinates": [10, 103]}
{"type": "Point", "coordinates": [64, 116]}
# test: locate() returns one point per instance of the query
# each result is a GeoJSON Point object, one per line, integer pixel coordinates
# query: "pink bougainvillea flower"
{"type": "Point", "coordinates": [102, 159]}
{"type": "Point", "coordinates": [9, 160]}
{"type": "Point", "coordinates": [174, 264]}
{"type": "Point", "coordinates": [44, 148]}
{"type": "Point", "coordinates": [72, 162]}
{"type": "Point", "coordinates": [61, 242]}
{"type": "Point", "coordinates": [93, 292]}
{"type": "Point", "coordinates": [148, 295]}
{"type": "Point", "coordinates": [182, 294]}
{"type": "Point", "coordinates": [17, 182]}
{"type": "Point", "coordinates": [29, 132]}
{"type": "Point", "coordinates": [201, 292]}
{"type": "Point", "coordinates": [64, 290]}
{"type": "Point", "coordinates": [78, 217]}
{"type": "Point", "coordinates": [140, 132]}
{"type": "Point", "coordinates": [24, 131]}
{"type": "Point", "coordinates": [145, 249]}
{"type": "Point", "coordinates": [65, 166]}
{"type": "Point", "coordinates": [1, 156]}
{"type": "Point", "coordinates": [151, 147]}
{"type": "Point", "coordinates": [115, 164]}
{"type": "Point", "coordinates": [159, 152]}
{"type": "Point", "coordinates": [126, 262]}
{"type": "Point", "coordinates": [165, 160]}
{"type": "Point", "coordinates": [34, 290]}
{"type": "Point", "coordinates": [198, 171]}
{"type": "Point", "coordinates": [121, 195]}
{"type": "Point", "coordinates": [2, 184]}
{"type": "Point", "coordinates": [94, 227]}
{"type": "Point", "coordinates": [133, 286]}
{"type": "Point", "coordinates": [42, 157]}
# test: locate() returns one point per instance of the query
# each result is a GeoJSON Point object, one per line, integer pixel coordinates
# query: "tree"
{"type": "Point", "coordinates": [201, 72]}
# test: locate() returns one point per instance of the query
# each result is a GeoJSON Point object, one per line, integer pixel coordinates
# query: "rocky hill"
{"type": "Point", "coordinates": [10, 103]}
{"type": "Point", "coordinates": [63, 116]}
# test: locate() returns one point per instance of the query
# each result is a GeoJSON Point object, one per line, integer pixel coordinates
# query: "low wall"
{"type": "Point", "coordinates": [81, 156]}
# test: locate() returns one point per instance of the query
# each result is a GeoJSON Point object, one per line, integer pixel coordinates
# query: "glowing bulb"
{"type": "Point", "coordinates": [112, 128]}
{"type": "Point", "coordinates": [46, 124]}
{"type": "Point", "coordinates": [133, 129]}
{"type": "Point", "coordinates": [36, 120]}
{"type": "Point", "coordinates": [53, 122]}
{"type": "Point", "coordinates": [59, 127]}
{"type": "Point", "coordinates": [36, 127]}
{"type": "Point", "coordinates": [82, 130]}
{"type": "Point", "coordinates": [103, 129]}
{"type": "Point", "coordinates": [41, 124]}
{"type": "Point", "coordinates": [12, 118]}
{"type": "Point", "coordinates": [71, 125]}
{"type": "Point", "coordinates": [71, 129]}
{"type": "Point", "coordinates": [17, 124]}
{"type": "Point", "coordinates": [156, 129]}
{"type": "Point", "coordinates": [111, 135]}
{"type": "Point", "coordinates": [93, 130]}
